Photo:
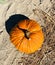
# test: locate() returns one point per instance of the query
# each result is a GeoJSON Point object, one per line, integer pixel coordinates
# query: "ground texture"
{"type": "Point", "coordinates": [42, 11]}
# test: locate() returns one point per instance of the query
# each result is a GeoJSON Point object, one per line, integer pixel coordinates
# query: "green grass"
{"type": "Point", "coordinates": [2, 1]}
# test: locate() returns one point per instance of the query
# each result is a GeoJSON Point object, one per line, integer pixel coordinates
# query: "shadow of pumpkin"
{"type": "Point", "coordinates": [13, 20]}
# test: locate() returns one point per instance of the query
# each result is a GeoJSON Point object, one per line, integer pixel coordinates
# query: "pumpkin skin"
{"type": "Point", "coordinates": [27, 36]}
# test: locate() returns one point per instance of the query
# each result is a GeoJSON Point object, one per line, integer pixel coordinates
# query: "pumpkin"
{"type": "Point", "coordinates": [27, 36]}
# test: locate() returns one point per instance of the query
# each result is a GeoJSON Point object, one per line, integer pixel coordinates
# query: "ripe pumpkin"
{"type": "Point", "coordinates": [27, 36]}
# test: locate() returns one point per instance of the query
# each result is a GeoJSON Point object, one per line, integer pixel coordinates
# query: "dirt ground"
{"type": "Point", "coordinates": [42, 11]}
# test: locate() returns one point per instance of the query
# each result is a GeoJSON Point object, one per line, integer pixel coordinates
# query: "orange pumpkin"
{"type": "Point", "coordinates": [27, 36]}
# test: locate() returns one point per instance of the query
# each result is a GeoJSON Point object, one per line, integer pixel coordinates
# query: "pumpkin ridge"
{"type": "Point", "coordinates": [21, 42]}
{"type": "Point", "coordinates": [27, 22]}
{"type": "Point", "coordinates": [30, 24]}
{"type": "Point", "coordinates": [36, 31]}
{"type": "Point", "coordinates": [18, 43]}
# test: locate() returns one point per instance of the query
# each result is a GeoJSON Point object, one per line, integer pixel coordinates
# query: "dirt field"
{"type": "Point", "coordinates": [42, 11]}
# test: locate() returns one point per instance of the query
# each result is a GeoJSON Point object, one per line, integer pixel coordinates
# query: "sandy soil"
{"type": "Point", "coordinates": [41, 10]}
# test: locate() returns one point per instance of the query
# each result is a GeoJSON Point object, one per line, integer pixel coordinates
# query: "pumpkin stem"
{"type": "Point", "coordinates": [26, 32]}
